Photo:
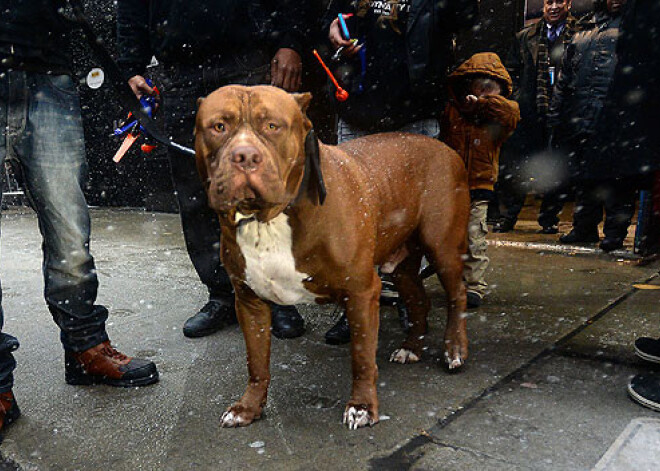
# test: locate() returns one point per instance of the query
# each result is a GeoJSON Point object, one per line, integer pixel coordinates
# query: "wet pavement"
{"type": "Point", "coordinates": [544, 387]}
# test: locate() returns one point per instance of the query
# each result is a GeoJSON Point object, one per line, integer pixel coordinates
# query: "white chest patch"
{"type": "Point", "coordinates": [270, 269]}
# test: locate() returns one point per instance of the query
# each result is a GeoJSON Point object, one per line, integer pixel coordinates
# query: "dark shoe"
{"type": "Point", "coordinates": [9, 410]}
{"type": "Point", "coordinates": [286, 322]}
{"type": "Point", "coordinates": [474, 300]}
{"type": "Point", "coordinates": [340, 333]}
{"type": "Point", "coordinates": [549, 230]}
{"type": "Point", "coordinates": [215, 315]}
{"type": "Point", "coordinates": [609, 244]}
{"type": "Point", "coordinates": [388, 293]}
{"type": "Point", "coordinates": [503, 226]}
{"type": "Point", "coordinates": [105, 365]}
{"type": "Point", "coordinates": [574, 237]}
{"type": "Point", "coordinates": [645, 390]}
{"type": "Point", "coordinates": [648, 349]}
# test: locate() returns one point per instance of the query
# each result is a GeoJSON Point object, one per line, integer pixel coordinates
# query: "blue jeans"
{"type": "Point", "coordinates": [41, 128]}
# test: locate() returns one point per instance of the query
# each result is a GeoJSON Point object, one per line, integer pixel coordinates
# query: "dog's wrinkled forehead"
{"type": "Point", "coordinates": [245, 104]}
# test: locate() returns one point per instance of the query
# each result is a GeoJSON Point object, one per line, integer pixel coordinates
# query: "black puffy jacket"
{"type": "Point", "coordinates": [582, 91]}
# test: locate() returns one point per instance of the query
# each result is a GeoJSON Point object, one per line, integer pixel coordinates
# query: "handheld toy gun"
{"type": "Point", "coordinates": [133, 128]}
{"type": "Point", "coordinates": [340, 94]}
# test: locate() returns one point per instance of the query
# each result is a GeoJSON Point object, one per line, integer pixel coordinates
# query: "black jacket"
{"type": "Point", "coordinates": [521, 62]}
{"type": "Point", "coordinates": [192, 31]}
{"type": "Point", "coordinates": [33, 36]}
{"type": "Point", "coordinates": [429, 39]}
{"type": "Point", "coordinates": [632, 113]}
{"type": "Point", "coordinates": [582, 90]}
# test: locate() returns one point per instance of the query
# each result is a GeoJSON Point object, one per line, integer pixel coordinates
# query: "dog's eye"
{"type": "Point", "coordinates": [219, 127]}
{"type": "Point", "coordinates": [272, 126]}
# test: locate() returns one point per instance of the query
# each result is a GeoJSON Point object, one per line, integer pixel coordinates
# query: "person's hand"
{"type": "Point", "coordinates": [337, 40]}
{"type": "Point", "coordinates": [140, 87]}
{"type": "Point", "coordinates": [286, 70]}
{"type": "Point", "coordinates": [470, 103]}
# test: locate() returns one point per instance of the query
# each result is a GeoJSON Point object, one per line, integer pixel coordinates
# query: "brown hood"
{"type": "Point", "coordinates": [484, 63]}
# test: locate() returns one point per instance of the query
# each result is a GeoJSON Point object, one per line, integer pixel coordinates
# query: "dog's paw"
{"type": "Point", "coordinates": [403, 355]}
{"type": "Point", "coordinates": [356, 417]}
{"type": "Point", "coordinates": [454, 362]}
{"type": "Point", "coordinates": [238, 416]}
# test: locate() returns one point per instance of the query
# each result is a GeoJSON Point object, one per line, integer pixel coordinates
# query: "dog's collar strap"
{"type": "Point", "coordinates": [312, 181]}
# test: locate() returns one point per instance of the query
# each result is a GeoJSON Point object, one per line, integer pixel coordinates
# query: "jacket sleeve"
{"type": "Point", "coordinates": [133, 42]}
{"type": "Point", "coordinates": [497, 109]}
{"type": "Point", "coordinates": [291, 20]}
{"type": "Point", "coordinates": [562, 89]}
{"type": "Point", "coordinates": [514, 65]}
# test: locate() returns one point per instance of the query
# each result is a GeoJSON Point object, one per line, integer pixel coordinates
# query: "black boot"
{"type": "Point", "coordinates": [575, 237]}
{"type": "Point", "coordinates": [339, 333]}
{"type": "Point", "coordinates": [609, 244]}
{"type": "Point", "coordinates": [504, 225]}
{"type": "Point", "coordinates": [286, 322]}
{"type": "Point", "coordinates": [215, 315]}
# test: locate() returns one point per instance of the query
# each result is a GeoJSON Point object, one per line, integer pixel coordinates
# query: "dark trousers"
{"type": "Point", "coordinates": [512, 193]}
{"type": "Point", "coordinates": [182, 86]}
{"type": "Point", "coordinates": [616, 197]}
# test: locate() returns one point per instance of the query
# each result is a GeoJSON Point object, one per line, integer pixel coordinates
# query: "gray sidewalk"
{"type": "Point", "coordinates": [544, 387]}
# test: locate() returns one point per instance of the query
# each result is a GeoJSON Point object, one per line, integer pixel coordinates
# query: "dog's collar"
{"type": "Point", "coordinates": [312, 182]}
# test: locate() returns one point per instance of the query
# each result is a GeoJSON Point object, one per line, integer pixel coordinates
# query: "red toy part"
{"type": "Point", "coordinates": [340, 94]}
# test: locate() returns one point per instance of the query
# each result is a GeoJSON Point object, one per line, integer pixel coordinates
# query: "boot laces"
{"type": "Point", "coordinates": [110, 351]}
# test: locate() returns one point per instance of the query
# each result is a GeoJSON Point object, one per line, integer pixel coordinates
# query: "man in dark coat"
{"type": "Point", "coordinates": [202, 46]}
{"type": "Point", "coordinates": [41, 128]}
{"type": "Point", "coordinates": [579, 123]}
{"type": "Point", "coordinates": [534, 61]}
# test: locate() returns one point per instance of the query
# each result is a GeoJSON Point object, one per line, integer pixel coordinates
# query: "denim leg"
{"type": "Point", "coordinates": [54, 167]}
{"type": "Point", "coordinates": [7, 343]}
{"type": "Point", "coordinates": [551, 206]}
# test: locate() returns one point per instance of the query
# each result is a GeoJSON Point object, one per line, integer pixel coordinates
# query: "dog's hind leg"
{"type": "Point", "coordinates": [411, 292]}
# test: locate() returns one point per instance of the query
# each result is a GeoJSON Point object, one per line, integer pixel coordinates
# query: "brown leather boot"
{"type": "Point", "coordinates": [105, 365]}
{"type": "Point", "coordinates": [9, 410]}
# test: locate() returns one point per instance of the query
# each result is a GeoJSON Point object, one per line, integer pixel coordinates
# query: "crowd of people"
{"type": "Point", "coordinates": [575, 84]}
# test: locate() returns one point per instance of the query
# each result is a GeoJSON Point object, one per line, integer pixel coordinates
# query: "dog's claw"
{"type": "Point", "coordinates": [356, 418]}
{"type": "Point", "coordinates": [402, 355]}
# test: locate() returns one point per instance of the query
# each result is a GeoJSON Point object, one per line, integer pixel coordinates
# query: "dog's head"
{"type": "Point", "coordinates": [250, 148]}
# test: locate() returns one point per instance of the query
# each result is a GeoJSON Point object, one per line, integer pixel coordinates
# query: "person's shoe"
{"type": "Point", "coordinates": [609, 244]}
{"type": "Point", "coordinates": [645, 390]}
{"type": "Point", "coordinates": [389, 296]}
{"type": "Point", "coordinates": [648, 349]}
{"type": "Point", "coordinates": [215, 315]}
{"type": "Point", "coordinates": [474, 300]}
{"type": "Point", "coordinates": [9, 410]}
{"type": "Point", "coordinates": [340, 333]}
{"type": "Point", "coordinates": [548, 230]}
{"type": "Point", "coordinates": [504, 225]}
{"type": "Point", "coordinates": [103, 364]}
{"type": "Point", "coordinates": [575, 237]}
{"type": "Point", "coordinates": [286, 322]}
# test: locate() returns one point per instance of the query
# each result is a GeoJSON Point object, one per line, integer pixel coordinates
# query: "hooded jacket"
{"type": "Point", "coordinates": [477, 135]}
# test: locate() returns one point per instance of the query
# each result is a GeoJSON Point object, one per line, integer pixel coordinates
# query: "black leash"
{"type": "Point", "coordinates": [124, 91]}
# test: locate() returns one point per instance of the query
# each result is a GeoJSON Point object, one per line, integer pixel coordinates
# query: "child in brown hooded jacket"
{"type": "Point", "coordinates": [476, 122]}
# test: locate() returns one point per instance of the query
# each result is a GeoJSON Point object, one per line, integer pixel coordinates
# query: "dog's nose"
{"type": "Point", "coordinates": [247, 158]}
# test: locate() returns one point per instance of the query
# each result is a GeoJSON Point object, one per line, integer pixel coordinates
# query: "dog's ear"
{"type": "Point", "coordinates": [303, 100]}
{"type": "Point", "coordinates": [199, 101]}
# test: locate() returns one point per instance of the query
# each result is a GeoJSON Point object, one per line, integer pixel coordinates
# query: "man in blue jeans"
{"type": "Point", "coordinates": [41, 128]}
{"type": "Point", "coordinates": [204, 45]}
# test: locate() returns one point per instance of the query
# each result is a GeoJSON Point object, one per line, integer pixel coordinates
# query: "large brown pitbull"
{"type": "Point", "coordinates": [391, 198]}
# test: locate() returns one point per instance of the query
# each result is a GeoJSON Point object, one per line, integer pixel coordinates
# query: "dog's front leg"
{"type": "Point", "coordinates": [254, 318]}
{"type": "Point", "coordinates": [362, 313]}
